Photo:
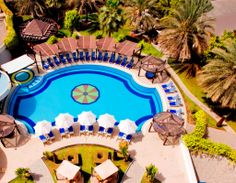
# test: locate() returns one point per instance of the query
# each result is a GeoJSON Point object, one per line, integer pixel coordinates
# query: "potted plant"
{"type": "Point", "coordinates": [23, 173]}
{"type": "Point", "coordinates": [151, 172]}
{"type": "Point", "coordinates": [123, 146]}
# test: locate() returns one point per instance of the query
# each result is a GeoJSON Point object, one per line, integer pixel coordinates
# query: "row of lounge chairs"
{"type": "Point", "coordinates": [74, 57]}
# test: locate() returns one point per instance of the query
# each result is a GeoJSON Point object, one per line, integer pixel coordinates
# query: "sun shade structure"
{"type": "Point", "coordinates": [153, 64]}
{"type": "Point", "coordinates": [17, 64]}
{"type": "Point", "coordinates": [38, 29]}
{"type": "Point", "coordinates": [64, 120]}
{"type": "Point", "coordinates": [67, 44]}
{"type": "Point", "coordinates": [106, 170]}
{"type": "Point", "coordinates": [8, 128]}
{"type": "Point", "coordinates": [43, 127]}
{"type": "Point", "coordinates": [87, 42]}
{"type": "Point", "coordinates": [106, 44]}
{"type": "Point", "coordinates": [127, 126]}
{"type": "Point", "coordinates": [106, 120]}
{"type": "Point", "coordinates": [68, 170]}
{"type": "Point", "coordinates": [168, 125]}
{"type": "Point", "coordinates": [127, 48]}
{"type": "Point", "coordinates": [45, 49]}
{"type": "Point", "coordinates": [5, 85]}
{"type": "Point", "coordinates": [87, 118]}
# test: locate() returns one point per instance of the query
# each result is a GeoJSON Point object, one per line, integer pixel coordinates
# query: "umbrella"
{"type": "Point", "coordinates": [127, 126]}
{"type": "Point", "coordinates": [86, 118]}
{"type": "Point", "coordinates": [64, 120]}
{"type": "Point", "coordinates": [43, 127]}
{"type": "Point", "coordinates": [106, 120]}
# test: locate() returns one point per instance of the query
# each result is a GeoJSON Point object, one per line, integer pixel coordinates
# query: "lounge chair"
{"type": "Point", "coordinates": [109, 131]}
{"type": "Point", "coordinates": [99, 56]}
{"type": "Point", "coordinates": [118, 60]}
{"type": "Point", "coordinates": [112, 58]}
{"type": "Point", "coordinates": [105, 58]}
{"type": "Point", "coordinates": [179, 111]}
{"type": "Point", "coordinates": [171, 90]}
{"type": "Point", "coordinates": [43, 138]}
{"type": "Point", "coordinates": [101, 130]}
{"type": "Point", "coordinates": [62, 58]}
{"type": "Point", "coordinates": [168, 85]}
{"type": "Point", "coordinates": [87, 56]}
{"type": "Point", "coordinates": [120, 135]}
{"type": "Point", "coordinates": [81, 56]}
{"type": "Point", "coordinates": [94, 57]}
{"type": "Point", "coordinates": [50, 62]}
{"type": "Point", "coordinates": [56, 60]}
{"type": "Point", "coordinates": [82, 129]}
{"type": "Point", "coordinates": [124, 61]}
{"type": "Point", "coordinates": [176, 97]}
{"type": "Point", "coordinates": [175, 103]}
{"type": "Point", "coordinates": [128, 138]}
{"type": "Point", "coordinates": [75, 56]}
{"type": "Point", "coordinates": [71, 130]}
{"type": "Point", "coordinates": [90, 129]}
{"type": "Point", "coordinates": [51, 135]}
{"type": "Point", "coordinates": [68, 58]}
{"type": "Point", "coordinates": [62, 131]}
{"type": "Point", "coordinates": [130, 64]}
{"type": "Point", "coordinates": [45, 65]}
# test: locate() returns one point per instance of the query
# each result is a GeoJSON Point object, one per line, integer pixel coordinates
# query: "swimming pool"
{"type": "Point", "coordinates": [80, 88]}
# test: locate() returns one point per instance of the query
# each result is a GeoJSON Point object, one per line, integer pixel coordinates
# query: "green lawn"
{"type": "Point", "coordinates": [150, 50]}
{"type": "Point", "coordinates": [87, 153]}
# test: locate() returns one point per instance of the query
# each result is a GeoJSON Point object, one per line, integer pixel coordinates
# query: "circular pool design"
{"type": "Point", "coordinates": [23, 76]}
{"type": "Point", "coordinates": [85, 94]}
{"type": "Point", "coordinates": [118, 95]}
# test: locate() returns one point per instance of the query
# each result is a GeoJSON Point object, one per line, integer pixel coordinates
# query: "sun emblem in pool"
{"type": "Point", "coordinates": [85, 94]}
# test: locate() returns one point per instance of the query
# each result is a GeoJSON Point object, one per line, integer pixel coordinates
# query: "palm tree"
{"type": "Point", "coordinates": [186, 30]}
{"type": "Point", "coordinates": [218, 77]}
{"type": "Point", "coordinates": [35, 8]}
{"type": "Point", "coordinates": [111, 18]}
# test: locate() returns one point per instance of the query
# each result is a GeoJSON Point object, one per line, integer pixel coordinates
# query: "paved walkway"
{"type": "Point", "coordinates": [3, 30]}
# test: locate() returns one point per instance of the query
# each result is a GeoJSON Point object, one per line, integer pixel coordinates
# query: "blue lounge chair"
{"type": "Point", "coordinates": [118, 60]}
{"type": "Point", "coordinates": [179, 111]}
{"type": "Point", "coordinates": [51, 135]}
{"type": "Point", "coordinates": [109, 131]}
{"type": "Point", "coordinates": [45, 65]}
{"type": "Point", "coordinates": [112, 58]}
{"type": "Point", "coordinates": [99, 56]}
{"type": "Point", "coordinates": [130, 64]}
{"type": "Point", "coordinates": [90, 129]}
{"type": "Point", "coordinates": [87, 56]}
{"type": "Point", "coordinates": [62, 58]}
{"type": "Point", "coordinates": [56, 60]}
{"type": "Point", "coordinates": [101, 130]}
{"type": "Point", "coordinates": [176, 97]}
{"type": "Point", "coordinates": [62, 131]}
{"type": "Point", "coordinates": [124, 61]}
{"type": "Point", "coordinates": [128, 138]}
{"type": "Point", "coordinates": [82, 129]}
{"type": "Point", "coordinates": [120, 135]}
{"type": "Point", "coordinates": [75, 56]}
{"type": "Point", "coordinates": [105, 58]}
{"type": "Point", "coordinates": [94, 57]}
{"type": "Point", "coordinates": [43, 138]}
{"type": "Point", "coordinates": [50, 62]}
{"type": "Point", "coordinates": [68, 58]}
{"type": "Point", "coordinates": [171, 90]}
{"type": "Point", "coordinates": [71, 130]}
{"type": "Point", "coordinates": [81, 56]}
{"type": "Point", "coordinates": [175, 103]}
{"type": "Point", "coordinates": [168, 85]}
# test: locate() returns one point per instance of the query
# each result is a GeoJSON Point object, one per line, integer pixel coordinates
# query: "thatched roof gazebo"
{"type": "Point", "coordinates": [38, 30]}
{"type": "Point", "coordinates": [168, 126]}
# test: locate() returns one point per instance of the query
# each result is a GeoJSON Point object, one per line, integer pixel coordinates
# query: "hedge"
{"type": "Point", "coordinates": [196, 142]}
{"type": "Point", "coordinates": [11, 39]}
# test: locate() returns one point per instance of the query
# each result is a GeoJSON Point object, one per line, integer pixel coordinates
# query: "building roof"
{"type": "Point", "coordinates": [5, 84]}
{"type": "Point", "coordinates": [68, 170]}
{"type": "Point", "coordinates": [127, 48]}
{"type": "Point", "coordinates": [67, 44]}
{"type": "Point", "coordinates": [106, 44]}
{"type": "Point", "coordinates": [106, 169]}
{"type": "Point", "coordinates": [87, 42]}
{"type": "Point", "coordinates": [36, 27]}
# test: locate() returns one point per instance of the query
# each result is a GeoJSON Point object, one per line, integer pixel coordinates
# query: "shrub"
{"type": "Point", "coordinates": [71, 19]}
{"type": "Point", "coordinates": [52, 39]}
{"type": "Point", "coordinates": [64, 33]}
{"type": "Point", "coordinates": [123, 146]}
{"type": "Point", "coordinates": [23, 173]}
{"type": "Point", "coordinates": [151, 171]}
{"type": "Point", "coordinates": [48, 155]}
{"type": "Point", "coordinates": [75, 35]}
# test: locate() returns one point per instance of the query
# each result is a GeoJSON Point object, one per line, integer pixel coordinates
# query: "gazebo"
{"type": "Point", "coordinates": [168, 126]}
{"type": "Point", "coordinates": [154, 67]}
{"type": "Point", "coordinates": [38, 30]}
{"type": "Point", "coordinates": [8, 130]}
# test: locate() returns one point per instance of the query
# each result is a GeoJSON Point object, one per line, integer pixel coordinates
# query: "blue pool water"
{"type": "Point", "coordinates": [119, 95]}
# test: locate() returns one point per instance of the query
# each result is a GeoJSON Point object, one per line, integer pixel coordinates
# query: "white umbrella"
{"type": "Point", "coordinates": [43, 127]}
{"type": "Point", "coordinates": [106, 120]}
{"type": "Point", "coordinates": [86, 118]}
{"type": "Point", "coordinates": [127, 126]}
{"type": "Point", "coordinates": [64, 120]}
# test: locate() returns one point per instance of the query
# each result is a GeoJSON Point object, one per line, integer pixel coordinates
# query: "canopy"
{"type": "Point", "coordinates": [127, 48]}
{"type": "Point", "coordinates": [17, 64]}
{"type": "Point", "coordinates": [43, 127]}
{"type": "Point", "coordinates": [106, 120]}
{"type": "Point", "coordinates": [67, 44]}
{"type": "Point", "coordinates": [5, 85]}
{"type": "Point", "coordinates": [64, 120]}
{"type": "Point", "coordinates": [127, 126]}
{"type": "Point", "coordinates": [87, 42]}
{"type": "Point", "coordinates": [86, 118]}
{"type": "Point", "coordinates": [7, 125]}
{"type": "Point", "coordinates": [106, 44]}
{"type": "Point", "coordinates": [153, 64]}
{"type": "Point", "coordinates": [46, 49]}
{"type": "Point", "coordinates": [68, 170]}
{"type": "Point", "coordinates": [106, 169]}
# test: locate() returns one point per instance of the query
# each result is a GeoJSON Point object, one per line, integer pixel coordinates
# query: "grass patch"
{"type": "Point", "coordinates": [88, 152]}
{"type": "Point", "coordinates": [21, 180]}
{"type": "Point", "coordinates": [149, 49]}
